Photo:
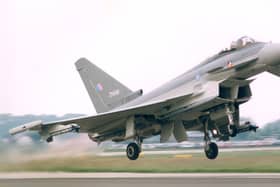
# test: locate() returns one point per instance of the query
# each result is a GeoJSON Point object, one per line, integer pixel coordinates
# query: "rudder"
{"type": "Point", "coordinates": [101, 87]}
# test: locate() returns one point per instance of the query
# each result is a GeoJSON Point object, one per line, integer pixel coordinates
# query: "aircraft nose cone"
{"type": "Point", "coordinates": [270, 55]}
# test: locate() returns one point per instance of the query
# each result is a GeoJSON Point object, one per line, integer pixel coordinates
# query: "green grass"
{"type": "Point", "coordinates": [257, 161]}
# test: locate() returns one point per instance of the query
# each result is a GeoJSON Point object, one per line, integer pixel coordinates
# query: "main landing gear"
{"type": "Point", "coordinates": [133, 149]}
{"type": "Point", "coordinates": [211, 149]}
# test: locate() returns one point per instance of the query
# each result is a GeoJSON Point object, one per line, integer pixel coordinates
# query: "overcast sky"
{"type": "Point", "coordinates": [141, 43]}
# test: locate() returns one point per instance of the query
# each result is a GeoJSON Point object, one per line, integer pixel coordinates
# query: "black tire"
{"type": "Point", "coordinates": [49, 139]}
{"type": "Point", "coordinates": [211, 151]}
{"type": "Point", "coordinates": [132, 151]}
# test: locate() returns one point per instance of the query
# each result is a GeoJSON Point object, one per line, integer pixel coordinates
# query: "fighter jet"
{"type": "Point", "coordinates": [205, 98]}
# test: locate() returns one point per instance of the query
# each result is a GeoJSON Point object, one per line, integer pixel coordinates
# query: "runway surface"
{"type": "Point", "coordinates": [188, 151]}
{"type": "Point", "coordinates": [137, 180]}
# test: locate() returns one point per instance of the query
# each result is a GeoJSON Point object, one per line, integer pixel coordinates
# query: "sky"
{"type": "Point", "coordinates": [141, 43]}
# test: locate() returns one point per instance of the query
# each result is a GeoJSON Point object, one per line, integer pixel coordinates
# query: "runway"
{"type": "Point", "coordinates": [189, 151]}
{"type": "Point", "coordinates": [137, 180]}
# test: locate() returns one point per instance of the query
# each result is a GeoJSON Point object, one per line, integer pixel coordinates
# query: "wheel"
{"type": "Point", "coordinates": [49, 139]}
{"type": "Point", "coordinates": [211, 150]}
{"type": "Point", "coordinates": [232, 130]}
{"type": "Point", "coordinates": [132, 151]}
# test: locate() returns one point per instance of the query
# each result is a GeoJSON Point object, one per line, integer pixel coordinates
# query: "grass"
{"type": "Point", "coordinates": [258, 161]}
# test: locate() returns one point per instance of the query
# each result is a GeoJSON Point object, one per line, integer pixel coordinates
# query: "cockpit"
{"type": "Point", "coordinates": [240, 43]}
{"type": "Point", "coordinates": [235, 45]}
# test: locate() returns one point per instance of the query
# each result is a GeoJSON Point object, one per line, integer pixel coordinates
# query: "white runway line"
{"type": "Point", "coordinates": [58, 175]}
{"type": "Point", "coordinates": [170, 152]}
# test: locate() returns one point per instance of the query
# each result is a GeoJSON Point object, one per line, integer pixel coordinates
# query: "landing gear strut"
{"type": "Point", "coordinates": [232, 129]}
{"type": "Point", "coordinates": [133, 149]}
{"type": "Point", "coordinates": [211, 149]}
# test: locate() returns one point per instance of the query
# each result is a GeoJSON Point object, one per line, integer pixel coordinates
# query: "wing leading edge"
{"type": "Point", "coordinates": [111, 121]}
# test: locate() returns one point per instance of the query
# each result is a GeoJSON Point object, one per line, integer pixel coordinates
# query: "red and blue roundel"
{"type": "Point", "coordinates": [98, 87]}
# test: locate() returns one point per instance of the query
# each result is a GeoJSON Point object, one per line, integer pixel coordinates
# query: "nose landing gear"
{"type": "Point", "coordinates": [211, 149]}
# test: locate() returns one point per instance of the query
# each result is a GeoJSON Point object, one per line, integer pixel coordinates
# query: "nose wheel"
{"type": "Point", "coordinates": [211, 150]}
{"type": "Point", "coordinates": [132, 151]}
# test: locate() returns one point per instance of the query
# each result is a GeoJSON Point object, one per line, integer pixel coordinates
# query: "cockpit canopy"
{"type": "Point", "coordinates": [235, 45]}
{"type": "Point", "coordinates": [242, 42]}
{"type": "Point", "coordinates": [238, 44]}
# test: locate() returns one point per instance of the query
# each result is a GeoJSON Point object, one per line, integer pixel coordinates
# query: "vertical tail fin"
{"type": "Point", "coordinates": [101, 87]}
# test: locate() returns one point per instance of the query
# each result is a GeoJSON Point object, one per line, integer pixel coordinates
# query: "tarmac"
{"type": "Point", "coordinates": [139, 179]}
{"type": "Point", "coordinates": [188, 151]}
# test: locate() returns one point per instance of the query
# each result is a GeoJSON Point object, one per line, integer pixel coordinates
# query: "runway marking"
{"type": "Point", "coordinates": [183, 156]}
{"type": "Point", "coordinates": [59, 175]}
{"type": "Point", "coordinates": [188, 151]}
{"type": "Point", "coordinates": [140, 182]}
